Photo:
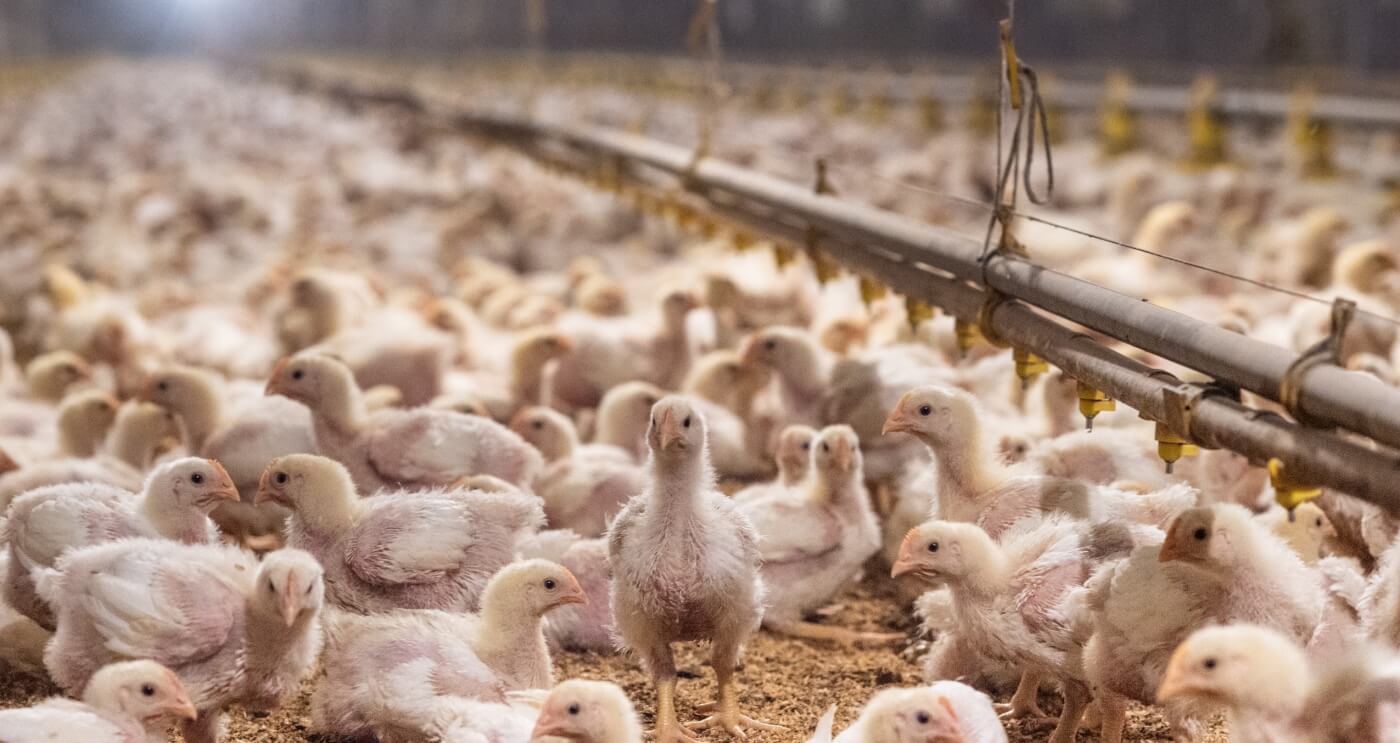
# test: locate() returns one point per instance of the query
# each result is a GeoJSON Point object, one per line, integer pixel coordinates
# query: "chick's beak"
{"type": "Point", "coordinates": [669, 429]}
{"type": "Point", "coordinates": [750, 355]}
{"type": "Point", "coordinates": [182, 708]}
{"type": "Point", "coordinates": [274, 380]}
{"type": "Point", "coordinates": [906, 562]}
{"type": "Point", "coordinates": [267, 492]}
{"type": "Point", "coordinates": [897, 422]}
{"type": "Point", "coordinates": [225, 489]}
{"type": "Point", "coordinates": [289, 602]}
{"type": "Point", "coordinates": [551, 726]}
{"type": "Point", "coordinates": [1173, 546]}
{"type": "Point", "coordinates": [1178, 680]}
{"type": "Point", "coordinates": [571, 593]}
{"type": "Point", "coordinates": [841, 455]}
{"type": "Point", "coordinates": [949, 729]}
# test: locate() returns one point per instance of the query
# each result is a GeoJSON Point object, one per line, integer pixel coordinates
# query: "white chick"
{"type": "Point", "coordinates": [588, 712]}
{"type": "Point", "coordinates": [1016, 601]}
{"type": "Point", "coordinates": [124, 703]}
{"type": "Point", "coordinates": [685, 567]}
{"type": "Point", "coordinates": [815, 539]}
{"type": "Point", "coordinates": [942, 712]}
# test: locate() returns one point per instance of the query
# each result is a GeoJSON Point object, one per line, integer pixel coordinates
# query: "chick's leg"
{"type": "Point", "coordinates": [1076, 698]}
{"type": "Point", "coordinates": [663, 674]}
{"type": "Point", "coordinates": [1114, 709]}
{"type": "Point", "coordinates": [1024, 702]}
{"type": "Point", "coordinates": [728, 716]}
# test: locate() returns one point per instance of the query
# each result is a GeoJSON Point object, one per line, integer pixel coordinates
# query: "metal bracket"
{"type": "Point", "coordinates": [1326, 351]}
{"type": "Point", "coordinates": [1179, 404]}
{"type": "Point", "coordinates": [989, 306]}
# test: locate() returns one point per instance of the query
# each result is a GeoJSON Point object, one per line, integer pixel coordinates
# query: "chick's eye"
{"type": "Point", "coordinates": [196, 478]}
{"type": "Point", "coordinates": [281, 478]}
{"type": "Point", "coordinates": [1209, 664]}
{"type": "Point", "coordinates": [537, 425]}
{"type": "Point", "coordinates": [162, 386]}
{"type": "Point", "coordinates": [686, 422]}
{"type": "Point", "coordinates": [298, 374]}
{"type": "Point", "coordinates": [925, 409]}
{"type": "Point", "coordinates": [922, 717]}
{"type": "Point", "coordinates": [1319, 523]}
{"type": "Point", "coordinates": [271, 588]}
{"type": "Point", "coordinates": [806, 445]}
{"type": "Point", "coordinates": [933, 546]}
{"type": "Point", "coordinates": [549, 584]}
{"type": "Point", "coordinates": [770, 344]}
{"type": "Point", "coordinates": [1200, 534]}
{"type": "Point", "coordinates": [573, 708]}
{"type": "Point", "coordinates": [826, 446]}
{"type": "Point", "coordinates": [148, 690]}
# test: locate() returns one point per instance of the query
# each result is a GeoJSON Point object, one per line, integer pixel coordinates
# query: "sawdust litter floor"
{"type": "Point", "coordinates": [786, 681]}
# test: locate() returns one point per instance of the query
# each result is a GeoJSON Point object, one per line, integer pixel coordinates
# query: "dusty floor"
{"type": "Point", "coordinates": [785, 681]}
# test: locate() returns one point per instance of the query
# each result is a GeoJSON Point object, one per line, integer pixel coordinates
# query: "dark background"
{"type": "Point", "coordinates": [1151, 37]}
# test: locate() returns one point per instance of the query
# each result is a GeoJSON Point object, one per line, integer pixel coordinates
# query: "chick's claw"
{"type": "Point", "coordinates": [1017, 711]}
{"type": "Point", "coordinates": [673, 733]}
{"type": "Point", "coordinates": [734, 722]}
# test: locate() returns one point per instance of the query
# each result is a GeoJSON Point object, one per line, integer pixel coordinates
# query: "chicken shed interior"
{"type": "Point", "coordinates": [912, 371]}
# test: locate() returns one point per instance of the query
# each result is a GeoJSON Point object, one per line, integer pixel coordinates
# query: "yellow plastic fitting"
{"type": "Point", "coordinates": [917, 311]}
{"type": "Point", "coordinates": [1171, 447]}
{"type": "Point", "coordinates": [966, 334]}
{"type": "Point", "coordinates": [1091, 403]}
{"type": "Point", "coordinates": [1287, 492]}
{"type": "Point", "coordinates": [1028, 366]}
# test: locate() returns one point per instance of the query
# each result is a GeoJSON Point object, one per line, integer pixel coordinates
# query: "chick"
{"type": "Point", "coordinates": [583, 486]}
{"type": "Point", "coordinates": [1015, 601]}
{"type": "Point", "coordinates": [609, 352]}
{"type": "Point", "coordinates": [942, 712]}
{"type": "Point", "coordinates": [1305, 530]}
{"type": "Point", "coordinates": [793, 458]}
{"type": "Point", "coordinates": [1140, 609]}
{"type": "Point", "coordinates": [21, 639]}
{"type": "Point", "coordinates": [722, 377]}
{"type": "Point", "coordinates": [235, 631]}
{"type": "Point", "coordinates": [84, 419]}
{"type": "Point", "coordinates": [1380, 604]}
{"type": "Point", "coordinates": [45, 523]}
{"type": "Point", "coordinates": [480, 656]}
{"type": "Point", "coordinates": [588, 712]}
{"type": "Point", "coordinates": [1258, 674]}
{"type": "Point", "coordinates": [1265, 582]}
{"type": "Point", "coordinates": [124, 702]}
{"type": "Point", "coordinates": [801, 373]}
{"type": "Point", "coordinates": [815, 539]}
{"type": "Point", "coordinates": [395, 550]}
{"type": "Point", "coordinates": [244, 439]}
{"type": "Point", "coordinates": [685, 567]}
{"type": "Point", "coordinates": [398, 448]}
{"type": "Point", "coordinates": [624, 414]}
{"type": "Point", "coordinates": [141, 430]}
{"type": "Point", "coordinates": [53, 374]}
{"type": "Point", "coordinates": [529, 355]}
{"type": "Point", "coordinates": [974, 487]}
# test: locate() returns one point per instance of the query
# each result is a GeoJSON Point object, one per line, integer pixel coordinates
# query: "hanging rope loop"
{"type": "Point", "coordinates": [1020, 88]}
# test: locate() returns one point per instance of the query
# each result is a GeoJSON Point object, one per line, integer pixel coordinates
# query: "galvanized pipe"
{"type": "Point", "coordinates": [940, 267]}
{"type": "Point", "coordinates": [1217, 422]}
{"type": "Point", "coordinates": [1351, 400]}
